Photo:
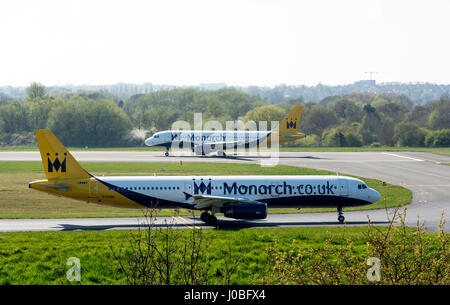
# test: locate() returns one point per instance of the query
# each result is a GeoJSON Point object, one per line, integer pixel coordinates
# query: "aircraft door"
{"type": "Point", "coordinates": [276, 189]}
{"type": "Point", "coordinates": [343, 187]}
{"type": "Point", "coordinates": [188, 188]}
{"type": "Point", "coordinates": [93, 188]}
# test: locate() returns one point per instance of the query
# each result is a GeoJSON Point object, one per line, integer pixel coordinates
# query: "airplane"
{"type": "Point", "coordinates": [203, 142]}
{"type": "Point", "coordinates": [237, 197]}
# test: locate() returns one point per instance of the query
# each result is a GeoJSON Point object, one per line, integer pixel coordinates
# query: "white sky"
{"type": "Point", "coordinates": [239, 42]}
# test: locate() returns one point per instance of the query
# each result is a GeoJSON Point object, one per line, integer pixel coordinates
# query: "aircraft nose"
{"type": "Point", "coordinates": [148, 142]}
{"type": "Point", "coordinates": [374, 196]}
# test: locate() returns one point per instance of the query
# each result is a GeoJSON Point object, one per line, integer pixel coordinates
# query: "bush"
{"type": "Point", "coordinates": [83, 122]}
{"type": "Point", "coordinates": [336, 138]}
{"type": "Point", "coordinates": [409, 134]}
{"type": "Point", "coordinates": [160, 254]}
{"type": "Point", "coordinates": [353, 140]}
{"type": "Point", "coordinates": [396, 255]}
{"type": "Point", "coordinates": [267, 114]}
{"type": "Point", "coordinates": [14, 118]}
{"type": "Point", "coordinates": [440, 115]}
{"type": "Point", "coordinates": [24, 138]}
{"type": "Point", "coordinates": [308, 141]}
{"type": "Point", "coordinates": [440, 138]}
{"type": "Point", "coordinates": [368, 136]}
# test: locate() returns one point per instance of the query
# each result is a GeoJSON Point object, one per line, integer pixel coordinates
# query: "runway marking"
{"type": "Point", "coordinates": [421, 172]}
{"type": "Point", "coordinates": [395, 155]}
{"type": "Point", "coordinates": [184, 222]}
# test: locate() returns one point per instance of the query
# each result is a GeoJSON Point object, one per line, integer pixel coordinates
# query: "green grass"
{"type": "Point", "coordinates": [434, 150]}
{"type": "Point", "coordinates": [18, 201]}
{"type": "Point", "coordinates": [39, 258]}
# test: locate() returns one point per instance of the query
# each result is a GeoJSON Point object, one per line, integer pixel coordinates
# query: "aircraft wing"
{"type": "Point", "coordinates": [206, 201]}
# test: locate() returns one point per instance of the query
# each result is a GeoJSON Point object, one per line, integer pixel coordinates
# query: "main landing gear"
{"type": "Point", "coordinates": [341, 217]}
{"type": "Point", "coordinates": [221, 153]}
{"type": "Point", "coordinates": [167, 153]}
{"type": "Point", "coordinates": [209, 219]}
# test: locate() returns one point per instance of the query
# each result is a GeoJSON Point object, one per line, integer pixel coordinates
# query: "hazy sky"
{"type": "Point", "coordinates": [236, 42]}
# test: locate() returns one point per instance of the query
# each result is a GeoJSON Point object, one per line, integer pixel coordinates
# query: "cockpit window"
{"type": "Point", "coordinates": [362, 186]}
{"type": "Point", "coordinates": [157, 136]}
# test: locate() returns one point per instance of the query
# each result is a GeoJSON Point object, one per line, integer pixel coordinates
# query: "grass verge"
{"type": "Point", "coordinates": [40, 258]}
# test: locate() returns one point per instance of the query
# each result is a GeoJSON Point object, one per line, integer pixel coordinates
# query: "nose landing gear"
{"type": "Point", "coordinates": [341, 217]}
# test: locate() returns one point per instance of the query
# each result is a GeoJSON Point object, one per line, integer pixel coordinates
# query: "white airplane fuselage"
{"type": "Point", "coordinates": [199, 137]}
{"type": "Point", "coordinates": [275, 191]}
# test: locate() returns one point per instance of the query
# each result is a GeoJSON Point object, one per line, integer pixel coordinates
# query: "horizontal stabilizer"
{"type": "Point", "coordinates": [59, 187]}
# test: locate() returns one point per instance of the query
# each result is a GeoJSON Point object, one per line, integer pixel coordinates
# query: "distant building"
{"type": "Point", "coordinates": [366, 83]}
{"type": "Point", "coordinates": [212, 86]}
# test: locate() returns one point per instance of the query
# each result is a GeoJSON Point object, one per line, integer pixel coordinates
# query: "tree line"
{"type": "Point", "coordinates": [97, 119]}
{"type": "Point", "coordinates": [76, 120]}
{"type": "Point", "coordinates": [420, 93]}
{"type": "Point", "coordinates": [378, 120]}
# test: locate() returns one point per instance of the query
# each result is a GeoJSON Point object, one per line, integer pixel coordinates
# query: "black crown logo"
{"type": "Point", "coordinates": [291, 124]}
{"type": "Point", "coordinates": [202, 188]}
{"type": "Point", "coordinates": [56, 165]}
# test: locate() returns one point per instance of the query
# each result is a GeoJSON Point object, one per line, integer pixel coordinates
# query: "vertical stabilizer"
{"type": "Point", "coordinates": [291, 122]}
{"type": "Point", "coordinates": [57, 160]}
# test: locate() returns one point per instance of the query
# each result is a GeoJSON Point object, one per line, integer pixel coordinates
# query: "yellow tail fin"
{"type": "Point", "coordinates": [291, 122]}
{"type": "Point", "coordinates": [57, 160]}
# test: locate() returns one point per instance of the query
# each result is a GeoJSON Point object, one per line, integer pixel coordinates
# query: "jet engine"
{"type": "Point", "coordinates": [204, 149]}
{"type": "Point", "coordinates": [256, 210]}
